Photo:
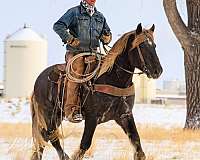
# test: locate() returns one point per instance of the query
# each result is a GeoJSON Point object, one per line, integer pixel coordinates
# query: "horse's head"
{"type": "Point", "coordinates": [142, 53]}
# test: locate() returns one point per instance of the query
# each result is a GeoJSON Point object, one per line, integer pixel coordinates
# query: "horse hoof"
{"type": "Point", "coordinates": [139, 156]}
{"type": "Point", "coordinates": [35, 156]}
{"type": "Point", "coordinates": [78, 155]}
{"type": "Point", "coordinates": [65, 157]}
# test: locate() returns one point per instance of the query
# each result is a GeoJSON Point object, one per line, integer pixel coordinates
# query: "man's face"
{"type": "Point", "coordinates": [91, 2]}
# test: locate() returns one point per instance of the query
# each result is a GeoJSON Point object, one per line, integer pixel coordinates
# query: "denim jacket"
{"type": "Point", "coordinates": [78, 23]}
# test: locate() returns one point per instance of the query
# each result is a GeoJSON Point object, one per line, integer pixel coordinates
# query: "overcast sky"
{"type": "Point", "coordinates": [122, 16]}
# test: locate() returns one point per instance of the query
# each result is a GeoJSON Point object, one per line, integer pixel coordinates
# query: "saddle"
{"type": "Point", "coordinates": [57, 71]}
{"type": "Point", "coordinates": [58, 74]}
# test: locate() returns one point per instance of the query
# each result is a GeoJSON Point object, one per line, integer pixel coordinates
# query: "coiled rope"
{"type": "Point", "coordinates": [71, 74]}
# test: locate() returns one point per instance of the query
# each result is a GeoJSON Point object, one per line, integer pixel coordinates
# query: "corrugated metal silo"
{"type": "Point", "coordinates": [25, 57]}
{"type": "Point", "coordinates": [145, 88]}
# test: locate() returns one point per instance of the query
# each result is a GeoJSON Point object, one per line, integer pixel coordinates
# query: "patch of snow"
{"type": "Point", "coordinates": [15, 111]}
{"type": "Point", "coordinates": [159, 115]}
{"type": "Point", "coordinates": [18, 111]}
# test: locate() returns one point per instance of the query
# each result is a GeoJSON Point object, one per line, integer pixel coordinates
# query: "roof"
{"type": "Point", "coordinates": [171, 96]}
{"type": "Point", "coordinates": [25, 34]}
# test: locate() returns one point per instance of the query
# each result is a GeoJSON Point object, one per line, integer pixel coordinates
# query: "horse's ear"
{"type": "Point", "coordinates": [139, 29]}
{"type": "Point", "coordinates": [152, 28]}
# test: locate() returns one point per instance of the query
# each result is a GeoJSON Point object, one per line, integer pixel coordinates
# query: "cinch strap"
{"type": "Point", "coordinates": [115, 91]}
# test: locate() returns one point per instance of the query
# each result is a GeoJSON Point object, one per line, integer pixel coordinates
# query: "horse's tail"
{"type": "Point", "coordinates": [38, 123]}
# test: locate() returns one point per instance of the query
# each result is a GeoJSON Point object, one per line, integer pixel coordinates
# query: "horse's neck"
{"type": "Point", "coordinates": [123, 79]}
{"type": "Point", "coordinates": [122, 70]}
{"type": "Point", "coordinates": [117, 76]}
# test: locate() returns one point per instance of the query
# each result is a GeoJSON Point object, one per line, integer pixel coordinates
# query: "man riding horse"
{"type": "Point", "coordinates": [81, 28]}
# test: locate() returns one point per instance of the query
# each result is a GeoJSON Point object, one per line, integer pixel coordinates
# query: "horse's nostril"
{"type": "Point", "coordinates": [156, 72]}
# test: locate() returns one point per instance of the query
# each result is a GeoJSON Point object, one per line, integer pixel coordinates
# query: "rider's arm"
{"type": "Point", "coordinates": [106, 36]}
{"type": "Point", "coordinates": [62, 25]}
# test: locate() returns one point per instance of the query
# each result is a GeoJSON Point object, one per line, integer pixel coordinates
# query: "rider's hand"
{"type": "Point", "coordinates": [73, 42]}
{"type": "Point", "coordinates": [106, 38]}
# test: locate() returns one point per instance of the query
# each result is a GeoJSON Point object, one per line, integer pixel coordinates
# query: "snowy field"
{"type": "Point", "coordinates": [18, 111]}
{"type": "Point", "coordinates": [160, 129]}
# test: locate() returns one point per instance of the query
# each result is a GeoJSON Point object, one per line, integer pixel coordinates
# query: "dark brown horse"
{"type": "Point", "coordinates": [135, 49]}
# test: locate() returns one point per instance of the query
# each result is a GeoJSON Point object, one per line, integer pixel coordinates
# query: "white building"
{"type": "Point", "coordinates": [145, 88]}
{"type": "Point", "coordinates": [25, 57]}
{"type": "Point", "coordinates": [174, 87]}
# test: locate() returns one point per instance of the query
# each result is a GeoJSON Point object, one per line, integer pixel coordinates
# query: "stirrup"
{"type": "Point", "coordinates": [77, 117]}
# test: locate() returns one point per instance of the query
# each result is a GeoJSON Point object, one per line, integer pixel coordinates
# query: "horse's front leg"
{"type": "Point", "coordinates": [126, 121]}
{"type": "Point", "coordinates": [90, 126]}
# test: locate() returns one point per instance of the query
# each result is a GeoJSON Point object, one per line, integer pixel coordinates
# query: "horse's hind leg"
{"type": "Point", "coordinates": [53, 137]}
{"type": "Point", "coordinates": [37, 155]}
{"type": "Point", "coordinates": [38, 150]}
{"type": "Point", "coordinates": [56, 144]}
{"type": "Point", "coordinates": [128, 125]}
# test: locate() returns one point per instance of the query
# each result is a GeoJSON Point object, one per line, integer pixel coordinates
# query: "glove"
{"type": "Point", "coordinates": [106, 38]}
{"type": "Point", "coordinates": [73, 42]}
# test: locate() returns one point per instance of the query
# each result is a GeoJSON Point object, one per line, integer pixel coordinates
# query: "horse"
{"type": "Point", "coordinates": [134, 49]}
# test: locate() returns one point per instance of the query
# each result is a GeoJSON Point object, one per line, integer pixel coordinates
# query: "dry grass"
{"type": "Point", "coordinates": [19, 154]}
{"type": "Point", "coordinates": [122, 157]}
{"type": "Point", "coordinates": [150, 158]}
{"type": "Point", "coordinates": [126, 156]}
{"type": "Point", "coordinates": [19, 149]}
{"type": "Point", "coordinates": [9, 130]}
{"type": "Point", "coordinates": [156, 141]}
{"type": "Point", "coordinates": [176, 135]}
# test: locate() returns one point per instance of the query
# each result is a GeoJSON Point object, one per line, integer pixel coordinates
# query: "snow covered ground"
{"type": "Point", "coordinates": [15, 111]}
{"type": "Point", "coordinates": [18, 111]}
{"type": "Point", "coordinates": [104, 149]}
{"type": "Point", "coordinates": [164, 117]}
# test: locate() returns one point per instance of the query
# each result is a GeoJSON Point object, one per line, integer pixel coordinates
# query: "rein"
{"type": "Point", "coordinates": [127, 71]}
{"type": "Point", "coordinates": [136, 44]}
{"type": "Point", "coordinates": [130, 72]}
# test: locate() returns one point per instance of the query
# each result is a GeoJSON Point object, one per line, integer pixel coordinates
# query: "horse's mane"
{"type": "Point", "coordinates": [116, 50]}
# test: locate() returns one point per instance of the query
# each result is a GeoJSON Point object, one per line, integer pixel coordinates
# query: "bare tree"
{"type": "Point", "coordinates": [189, 38]}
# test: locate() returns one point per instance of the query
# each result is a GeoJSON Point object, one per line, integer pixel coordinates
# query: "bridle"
{"type": "Point", "coordinates": [139, 39]}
